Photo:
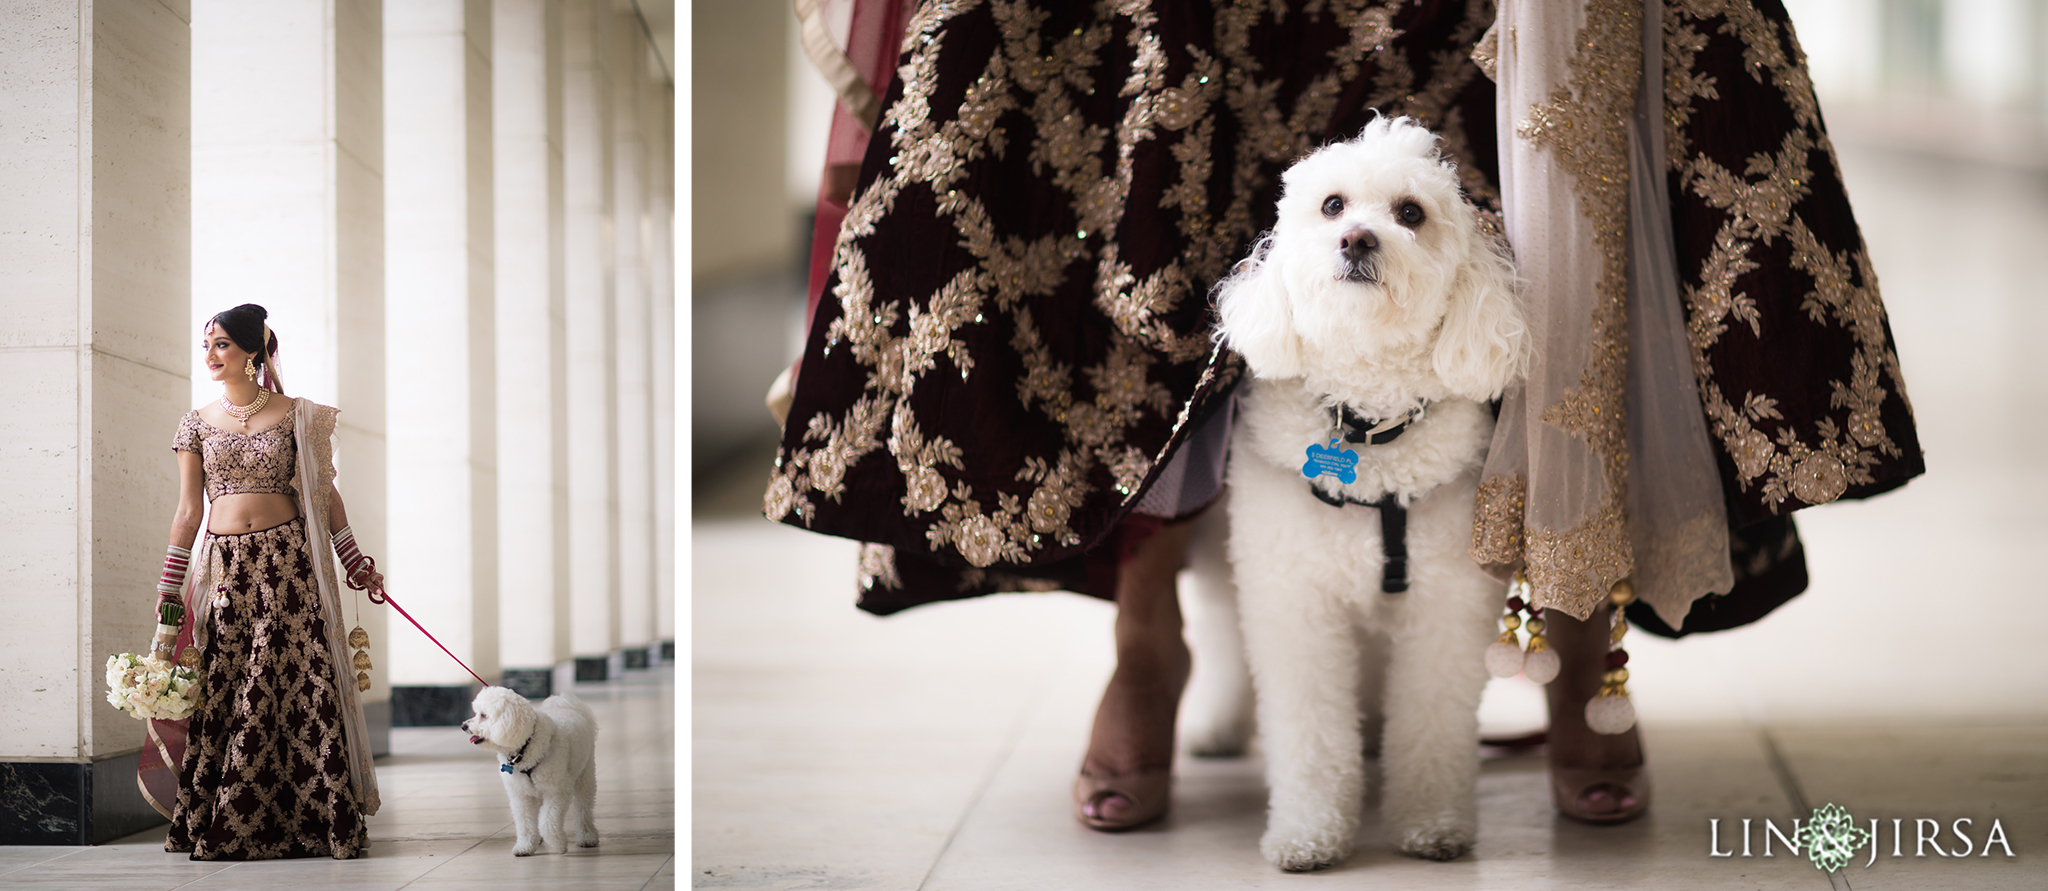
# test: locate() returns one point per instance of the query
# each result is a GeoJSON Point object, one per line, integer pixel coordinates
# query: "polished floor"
{"type": "Point", "coordinates": [444, 824]}
{"type": "Point", "coordinates": [933, 750]}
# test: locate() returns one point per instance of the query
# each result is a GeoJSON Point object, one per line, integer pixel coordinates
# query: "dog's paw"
{"type": "Point", "coordinates": [1304, 851]}
{"type": "Point", "coordinates": [1443, 838]}
{"type": "Point", "coordinates": [526, 850]}
{"type": "Point", "coordinates": [587, 842]}
{"type": "Point", "coordinates": [1218, 739]}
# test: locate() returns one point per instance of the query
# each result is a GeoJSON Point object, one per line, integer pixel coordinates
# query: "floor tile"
{"type": "Point", "coordinates": [444, 820]}
{"type": "Point", "coordinates": [1960, 771]}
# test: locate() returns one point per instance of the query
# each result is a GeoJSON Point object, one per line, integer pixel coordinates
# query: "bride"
{"type": "Point", "coordinates": [274, 762]}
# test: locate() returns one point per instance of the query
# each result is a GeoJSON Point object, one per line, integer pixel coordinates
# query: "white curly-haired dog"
{"type": "Point", "coordinates": [547, 760]}
{"type": "Point", "coordinates": [1378, 321]}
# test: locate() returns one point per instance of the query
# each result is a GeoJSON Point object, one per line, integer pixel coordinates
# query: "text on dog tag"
{"type": "Point", "coordinates": [1331, 460]}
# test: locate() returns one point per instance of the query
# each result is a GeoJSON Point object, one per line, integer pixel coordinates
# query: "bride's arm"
{"type": "Point", "coordinates": [337, 520]}
{"type": "Point", "coordinates": [184, 528]}
{"type": "Point", "coordinates": [191, 500]}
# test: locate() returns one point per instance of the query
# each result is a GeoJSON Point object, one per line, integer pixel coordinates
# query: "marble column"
{"type": "Point", "coordinates": [533, 454]}
{"type": "Point", "coordinates": [660, 131]}
{"type": "Point", "coordinates": [288, 212]}
{"type": "Point", "coordinates": [627, 64]}
{"type": "Point", "coordinates": [440, 353]}
{"type": "Point", "coordinates": [95, 294]}
{"type": "Point", "coordinates": [590, 326]}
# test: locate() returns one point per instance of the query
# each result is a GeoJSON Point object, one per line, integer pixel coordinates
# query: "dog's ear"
{"type": "Point", "coordinates": [1484, 345]}
{"type": "Point", "coordinates": [518, 720]}
{"type": "Point", "coordinates": [1253, 316]}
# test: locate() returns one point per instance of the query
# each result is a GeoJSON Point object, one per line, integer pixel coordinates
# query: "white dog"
{"type": "Point", "coordinates": [547, 759]}
{"type": "Point", "coordinates": [1377, 320]}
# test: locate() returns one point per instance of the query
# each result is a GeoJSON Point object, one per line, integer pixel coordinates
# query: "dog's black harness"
{"type": "Point", "coordinates": [509, 764]}
{"type": "Point", "coordinates": [1393, 515]}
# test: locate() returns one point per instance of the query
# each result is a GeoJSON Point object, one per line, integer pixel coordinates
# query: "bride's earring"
{"type": "Point", "coordinates": [249, 367]}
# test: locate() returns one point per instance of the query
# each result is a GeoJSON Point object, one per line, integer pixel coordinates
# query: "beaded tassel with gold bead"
{"type": "Point", "coordinates": [1504, 656]}
{"type": "Point", "coordinates": [360, 640]}
{"type": "Point", "coordinates": [1612, 712]}
{"type": "Point", "coordinates": [1540, 664]}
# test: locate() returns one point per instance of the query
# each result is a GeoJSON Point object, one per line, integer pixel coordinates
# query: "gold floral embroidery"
{"type": "Point", "coordinates": [1498, 510]}
{"type": "Point", "coordinates": [237, 462]}
{"type": "Point", "coordinates": [271, 701]}
{"type": "Point", "coordinates": [1174, 101]}
{"type": "Point", "coordinates": [1487, 53]}
{"type": "Point", "coordinates": [1590, 557]}
{"type": "Point", "coordinates": [877, 566]}
{"type": "Point", "coordinates": [919, 460]}
{"type": "Point", "coordinates": [1678, 555]}
{"type": "Point", "coordinates": [1762, 204]}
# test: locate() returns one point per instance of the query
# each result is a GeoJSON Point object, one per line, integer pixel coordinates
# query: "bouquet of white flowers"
{"type": "Point", "coordinates": [148, 687]}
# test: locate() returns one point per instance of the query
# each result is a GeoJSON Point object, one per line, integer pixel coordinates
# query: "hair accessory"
{"type": "Point", "coordinates": [1612, 712]}
{"type": "Point", "coordinates": [244, 412]}
{"type": "Point", "coordinates": [273, 372]}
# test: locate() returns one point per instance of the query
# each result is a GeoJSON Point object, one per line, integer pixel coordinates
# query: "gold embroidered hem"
{"type": "Point", "coordinates": [1497, 523]}
{"type": "Point", "coordinates": [1571, 151]}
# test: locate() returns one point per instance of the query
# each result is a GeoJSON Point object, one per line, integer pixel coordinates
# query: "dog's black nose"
{"type": "Point", "coordinates": [1357, 243]}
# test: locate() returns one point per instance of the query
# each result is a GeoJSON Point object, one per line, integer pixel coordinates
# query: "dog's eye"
{"type": "Point", "coordinates": [1332, 206]}
{"type": "Point", "coordinates": [1410, 214]}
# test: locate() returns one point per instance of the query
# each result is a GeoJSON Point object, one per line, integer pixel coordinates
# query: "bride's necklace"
{"type": "Point", "coordinates": [244, 412]}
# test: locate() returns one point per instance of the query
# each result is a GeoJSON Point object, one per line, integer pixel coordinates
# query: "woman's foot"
{"type": "Point", "coordinates": [1593, 777]}
{"type": "Point", "coordinates": [1126, 777]}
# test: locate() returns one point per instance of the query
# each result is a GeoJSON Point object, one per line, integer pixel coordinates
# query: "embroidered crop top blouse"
{"type": "Point", "coordinates": [240, 463]}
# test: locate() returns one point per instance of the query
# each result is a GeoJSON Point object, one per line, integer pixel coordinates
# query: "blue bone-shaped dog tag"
{"type": "Point", "coordinates": [504, 768]}
{"type": "Point", "coordinates": [1331, 460]}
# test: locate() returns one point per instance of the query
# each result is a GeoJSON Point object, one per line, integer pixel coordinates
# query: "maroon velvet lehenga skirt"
{"type": "Point", "coordinates": [266, 769]}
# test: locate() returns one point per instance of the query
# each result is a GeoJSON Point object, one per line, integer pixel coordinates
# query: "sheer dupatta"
{"type": "Point", "coordinates": [860, 75]}
{"type": "Point", "coordinates": [1600, 468]}
{"type": "Point", "coordinates": [163, 750]}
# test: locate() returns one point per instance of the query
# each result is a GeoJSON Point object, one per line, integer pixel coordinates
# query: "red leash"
{"type": "Point", "coordinates": [379, 595]}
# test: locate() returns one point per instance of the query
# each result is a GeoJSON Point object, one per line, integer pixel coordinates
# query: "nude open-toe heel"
{"type": "Point", "coordinates": [1147, 795]}
{"type": "Point", "coordinates": [1600, 796]}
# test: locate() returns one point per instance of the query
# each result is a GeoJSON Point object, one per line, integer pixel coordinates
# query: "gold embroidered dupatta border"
{"type": "Point", "coordinates": [1610, 393]}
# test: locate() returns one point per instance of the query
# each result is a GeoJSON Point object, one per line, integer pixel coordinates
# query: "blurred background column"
{"type": "Point", "coordinates": [590, 330]}
{"type": "Point", "coordinates": [759, 118]}
{"type": "Point", "coordinates": [627, 65]}
{"type": "Point", "coordinates": [288, 212]}
{"type": "Point", "coordinates": [533, 454]}
{"type": "Point", "coordinates": [1964, 80]}
{"type": "Point", "coordinates": [95, 347]}
{"type": "Point", "coordinates": [440, 354]}
{"type": "Point", "coordinates": [657, 102]}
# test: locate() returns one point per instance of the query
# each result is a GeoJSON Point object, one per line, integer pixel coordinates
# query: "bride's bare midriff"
{"type": "Point", "coordinates": [250, 512]}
